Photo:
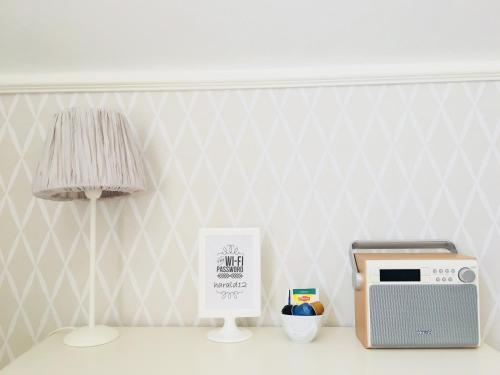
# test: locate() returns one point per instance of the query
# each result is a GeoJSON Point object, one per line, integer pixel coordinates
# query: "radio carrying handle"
{"type": "Point", "coordinates": [357, 278]}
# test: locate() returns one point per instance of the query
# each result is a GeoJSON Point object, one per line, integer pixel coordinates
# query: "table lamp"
{"type": "Point", "coordinates": [90, 154]}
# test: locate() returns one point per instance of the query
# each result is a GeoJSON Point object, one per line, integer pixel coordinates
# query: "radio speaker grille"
{"type": "Point", "coordinates": [423, 315]}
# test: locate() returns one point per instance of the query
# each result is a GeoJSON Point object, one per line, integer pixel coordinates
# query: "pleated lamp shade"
{"type": "Point", "coordinates": [89, 149]}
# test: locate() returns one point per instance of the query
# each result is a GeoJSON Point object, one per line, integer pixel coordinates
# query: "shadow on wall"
{"type": "Point", "coordinates": [493, 338]}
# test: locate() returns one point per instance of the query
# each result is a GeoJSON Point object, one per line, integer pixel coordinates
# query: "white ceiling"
{"type": "Point", "coordinates": [153, 36]}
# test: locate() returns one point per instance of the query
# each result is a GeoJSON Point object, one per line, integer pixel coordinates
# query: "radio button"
{"type": "Point", "coordinates": [438, 279]}
{"type": "Point", "coordinates": [434, 270]}
{"type": "Point", "coordinates": [453, 270]}
{"type": "Point", "coordinates": [447, 270]}
{"type": "Point", "coordinates": [466, 275]}
{"type": "Point", "coordinates": [450, 279]}
{"type": "Point", "coordinates": [440, 271]}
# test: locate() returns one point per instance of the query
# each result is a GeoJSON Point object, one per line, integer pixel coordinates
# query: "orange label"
{"type": "Point", "coordinates": [304, 298]}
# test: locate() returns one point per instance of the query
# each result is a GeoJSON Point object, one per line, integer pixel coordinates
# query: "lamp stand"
{"type": "Point", "coordinates": [92, 335]}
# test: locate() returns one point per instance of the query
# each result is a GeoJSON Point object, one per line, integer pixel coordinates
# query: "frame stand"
{"type": "Point", "coordinates": [229, 332]}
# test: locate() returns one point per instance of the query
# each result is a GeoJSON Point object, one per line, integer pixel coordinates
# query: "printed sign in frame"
{"type": "Point", "coordinates": [229, 277]}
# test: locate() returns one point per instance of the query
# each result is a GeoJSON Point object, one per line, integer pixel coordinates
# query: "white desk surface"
{"type": "Point", "coordinates": [187, 351]}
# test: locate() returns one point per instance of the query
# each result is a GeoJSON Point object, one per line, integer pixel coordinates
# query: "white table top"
{"type": "Point", "coordinates": [187, 351]}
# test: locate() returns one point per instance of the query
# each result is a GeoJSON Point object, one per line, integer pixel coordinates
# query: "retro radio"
{"type": "Point", "coordinates": [415, 299]}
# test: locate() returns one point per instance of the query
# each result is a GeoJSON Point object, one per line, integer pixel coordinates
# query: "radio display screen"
{"type": "Point", "coordinates": [400, 275]}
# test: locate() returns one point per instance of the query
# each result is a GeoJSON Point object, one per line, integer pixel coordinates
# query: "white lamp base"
{"type": "Point", "coordinates": [91, 336]}
{"type": "Point", "coordinates": [229, 332]}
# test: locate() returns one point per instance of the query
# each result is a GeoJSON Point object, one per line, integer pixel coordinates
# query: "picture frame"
{"type": "Point", "coordinates": [229, 278]}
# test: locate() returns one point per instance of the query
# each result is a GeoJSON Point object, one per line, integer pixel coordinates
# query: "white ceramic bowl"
{"type": "Point", "coordinates": [301, 328]}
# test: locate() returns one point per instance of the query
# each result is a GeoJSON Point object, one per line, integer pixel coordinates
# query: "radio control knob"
{"type": "Point", "coordinates": [466, 275]}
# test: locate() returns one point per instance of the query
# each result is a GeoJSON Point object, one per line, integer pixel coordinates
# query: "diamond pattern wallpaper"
{"type": "Point", "coordinates": [314, 168]}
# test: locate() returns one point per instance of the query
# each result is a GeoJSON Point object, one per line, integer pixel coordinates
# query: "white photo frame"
{"type": "Point", "coordinates": [229, 278]}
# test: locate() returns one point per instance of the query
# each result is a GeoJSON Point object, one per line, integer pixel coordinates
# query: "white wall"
{"type": "Point", "coordinates": [151, 39]}
{"type": "Point", "coordinates": [314, 168]}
